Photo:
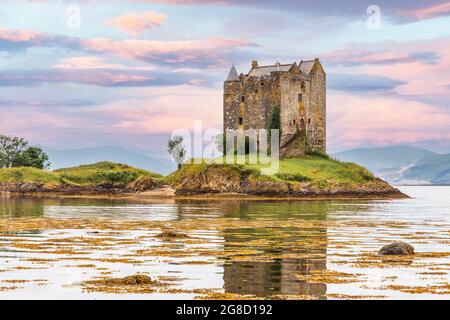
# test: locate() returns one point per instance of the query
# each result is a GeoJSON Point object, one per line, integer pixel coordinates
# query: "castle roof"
{"type": "Point", "coordinates": [233, 75]}
{"type": "Point", "coordinates": [266, 70]}
{"type": "Point", "coordinates": [306, 66]}
{"type": "Point", "coordinates": [262, 71]}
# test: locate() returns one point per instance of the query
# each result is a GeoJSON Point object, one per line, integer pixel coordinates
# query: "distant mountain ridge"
{"type": "Point", "coordinates": [434, 170]}
{"type": "Point", "coordinates": [402, 164]}
{"type": "Point", "coordinates": [386, 158]}
{"type": "Point", "coordinates": [75, 157]}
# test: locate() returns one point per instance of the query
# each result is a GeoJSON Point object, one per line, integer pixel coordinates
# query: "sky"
{"type": "Point", "coordinates": [91, 73]}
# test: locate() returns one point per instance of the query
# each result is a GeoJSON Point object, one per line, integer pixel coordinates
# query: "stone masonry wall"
{"type": "Point", "coordinates": [303, 118]}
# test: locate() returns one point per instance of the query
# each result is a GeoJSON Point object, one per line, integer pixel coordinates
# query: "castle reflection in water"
{"type": "Point", "coordinates": [279, 275]}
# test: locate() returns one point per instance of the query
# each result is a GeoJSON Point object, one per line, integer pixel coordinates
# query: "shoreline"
{"type": "Point", "coordinates": [169, 194]}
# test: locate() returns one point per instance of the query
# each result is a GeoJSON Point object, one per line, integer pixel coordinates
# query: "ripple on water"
{"type": "Point", "coordinates": [69, 248]}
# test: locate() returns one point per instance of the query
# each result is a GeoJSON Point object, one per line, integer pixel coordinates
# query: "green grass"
{"type": "Point", "coordinates": [318, 169]}
{"type": "Point", "coordinates": [189, 170]}
{"type": "Point", "coordinates": [18, 175]}
{"type": "Point", "coordinates": [86, 175]}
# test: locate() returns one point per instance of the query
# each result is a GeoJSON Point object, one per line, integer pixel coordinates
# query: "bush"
{"type": "Point", "coordinates": [18, 176]}
{"type": "Point", "coordinates": [115, 177]}
{"type": "Point", "coordinates": [292, 177]}
{"type": "Point", "coordinates": [319, 154]}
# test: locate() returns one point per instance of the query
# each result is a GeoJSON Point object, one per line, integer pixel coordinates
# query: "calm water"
{"type": "Point", "coordinates": [297, 249]}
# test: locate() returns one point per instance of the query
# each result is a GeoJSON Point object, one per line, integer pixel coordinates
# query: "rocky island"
{"type": "Point", "coordinates": [298, 178]}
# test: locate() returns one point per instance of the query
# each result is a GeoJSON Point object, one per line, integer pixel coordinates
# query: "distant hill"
{"type": "Point", "coordinates": [75, 157]}
{"type": "Point", "coordinates": [432, 170]}
{"type": "Point", "coordinates": [387, 162]}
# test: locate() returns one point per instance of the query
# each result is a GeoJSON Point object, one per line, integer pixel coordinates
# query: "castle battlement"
{"type": "Point", "coordinates": [297, 89]}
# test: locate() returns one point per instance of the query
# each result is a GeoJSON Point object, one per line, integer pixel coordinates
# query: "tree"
{"type": "Point", "coordinates": [177, 150]}
{"type": "Point", "coordinates": [220, 143]}
{"type": "Point", "coordinates": [15, 152]}
{"type": "Point", "coordinates": [275, 120]}
{"type": "Point", "coordinates": [10, 149]}
{"type": "Point", "coordinates": [32, 157]}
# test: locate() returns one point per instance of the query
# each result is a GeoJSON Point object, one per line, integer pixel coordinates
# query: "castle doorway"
{"type": "Point", "coordinates": [302, 125]}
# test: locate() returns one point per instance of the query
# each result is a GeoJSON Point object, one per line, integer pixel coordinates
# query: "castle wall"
{"type": "Point", "coordinates": [249, 101]}
{"type": "Point", "coordinates": [231, 105]}
{"type": "Point", "coordinates": [317, 136]}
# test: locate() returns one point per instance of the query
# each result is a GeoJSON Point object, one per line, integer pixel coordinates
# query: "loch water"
{"type": "Point", "coordinates": [264, 249]}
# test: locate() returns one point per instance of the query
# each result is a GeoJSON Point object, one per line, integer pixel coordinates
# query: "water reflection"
{"type": "Point", "coordinates": [277, 276]}
{"type": "Point", "coordinates": [16, 207]}
{"type": "Point", "coordinates": [262, 248]}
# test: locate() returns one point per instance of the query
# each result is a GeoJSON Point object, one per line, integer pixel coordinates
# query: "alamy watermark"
{"type": "Point", "coordinates": [73, 21]}
{"type": "Point", "coordinates": [373, 21]}
{"type": "Point", "coordinates": [252, 147]}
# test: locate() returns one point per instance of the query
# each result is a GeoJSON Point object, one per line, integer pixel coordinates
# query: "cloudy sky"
{"type": "Point", "coordinates": [104, 72]}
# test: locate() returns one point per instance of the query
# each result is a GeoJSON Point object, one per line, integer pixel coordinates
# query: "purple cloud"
{"type": "Point", "coordinates": [355, 57]}
{"type": "Point", "coordinates": [96, 77]}
{"type": "Point", "coordinates": [199, 53]}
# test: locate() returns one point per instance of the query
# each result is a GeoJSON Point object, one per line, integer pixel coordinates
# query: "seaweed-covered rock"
{"type": "Point", "coordinates": [397, 248]}
{"type": "Point", "coordinates": [211, 179]}
{"type": "Point", "coordinates": [142, 184]}
{"type": "Point", "coordinates": [171, 234]}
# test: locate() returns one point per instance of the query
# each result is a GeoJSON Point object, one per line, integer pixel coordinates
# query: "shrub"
{"type": "Point", "coordinates": [17, 175]}
{"type": "Point", "coordinates": [293, 177]}
{"type": "Point", "coordinates": [115, 177]}
{"type": "Point", "coordinates": [319, 154]}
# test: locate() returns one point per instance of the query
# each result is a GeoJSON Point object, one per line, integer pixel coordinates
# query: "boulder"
{"type": "Point", "coordinates": [397, 248]}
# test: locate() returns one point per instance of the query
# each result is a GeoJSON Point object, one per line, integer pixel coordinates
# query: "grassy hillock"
{"type": "Point", "coordinates": [317, 170]}
{"type": "Point", "coordinates": [19, 175]}
{"type": "Point", "coordinates": [101, 173]}
{"type": "Point", "coordinates": [320, 170]}
{"type": "Point", "coordinates": [307, 176]}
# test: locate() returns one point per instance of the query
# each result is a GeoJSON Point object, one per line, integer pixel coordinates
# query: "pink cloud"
{"type": "Point", "coordinates": [381, 56]}
{"type": "Point", "coordinates": [429, 12]}
{"type": "Point", "coordinates": [171, 52]}
{"type": "Point", "coordinates": [422, 79]}
{"type": "Point", "coordinates": [86, 62]}
{"type": "Point", "coordinates": [379, 120]}
{"type": "Point", "coordinates": [132, 119]}
{"type": "Point", "coordinates": [166, 110]}
{"type": "Point", "coordinates": [204, 52]}
{"type": "Point", "coordinates": [134, 23]}
{"type": "Point", "coordinates": [92, 62]}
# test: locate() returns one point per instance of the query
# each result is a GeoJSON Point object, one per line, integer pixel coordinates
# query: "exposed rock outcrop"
{"type": "Point", "coordinates": [141, 184]}
{"type": "Point", "coordinates": [219, 179]}
{"type": "Point", "coordinates": [398, 248]}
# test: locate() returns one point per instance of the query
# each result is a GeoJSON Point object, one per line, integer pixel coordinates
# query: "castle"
{"type": "Point", "coordinates": [296, 91]}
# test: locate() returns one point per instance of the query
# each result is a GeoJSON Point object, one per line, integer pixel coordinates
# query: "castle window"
{"type": "Point", "coordinates": [303, 85]}
{"type": "Point", "coordinates": [309, 121]}
{"type": "Point", "coordinates": [262, 84]}
{"type": "Point", "coordinates": [242, 99]}
{"type": "Point", "coordinates": [294, 122]}
{"type": "Point", "coordinates": [300, 97]}
{"type": "Point", "coordinates": [241, 121]}
{"type": "Point", "coordinates": [256, 91]}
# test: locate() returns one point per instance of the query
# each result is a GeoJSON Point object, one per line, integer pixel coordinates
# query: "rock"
{"type": "Point", "coordinates": [142, 184]}
{"type": "Point", "coordinates": [397, 248]}
{"type": "Point", "coordinates": [135, 280]}
{"type": "Point", "coordinates": [171, 234]}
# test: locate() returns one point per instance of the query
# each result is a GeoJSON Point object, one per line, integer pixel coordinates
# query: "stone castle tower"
{"type": "Point", "coordinates": [298, 91]}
